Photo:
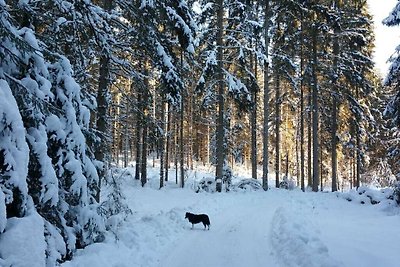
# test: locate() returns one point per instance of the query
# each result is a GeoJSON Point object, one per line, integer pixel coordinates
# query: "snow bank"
{"type": "Point", "coordinates": [23, 243]}
{"type": "Point", "coordinates": [383, 198]}
{"type": "Point", "coordinates": [137, 243]}
{"type": "Point", "coordinates": [296, 243]}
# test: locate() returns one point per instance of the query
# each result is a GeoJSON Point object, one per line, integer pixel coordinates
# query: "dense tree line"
{"type": "Point", "coordinates": [286, 87]}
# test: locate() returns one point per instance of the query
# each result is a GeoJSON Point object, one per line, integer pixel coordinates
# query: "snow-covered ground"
{"type": "Point", "coordinates": [248, 228]}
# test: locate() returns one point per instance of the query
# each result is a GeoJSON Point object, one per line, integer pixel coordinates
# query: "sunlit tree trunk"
{"type": "Point", "coordinates": [176, 144]}
{"type": "Point", "coordinates": [266, 98]}
{"type": "Point", "coordinates": [302, 114]}
{"type": "Point", "coordinates": [190, 132]}
{"type": "Point", "coordinates": [358, 146]}
{"type": "Point", "coordinates": [309, 139]}
{"type": "Point", "coordinates": [162, 138]}
{"type": "Point", "coordinates": [145, 99]}
{"type": "Point", "coordinates": [181, 141]}
{"type": "Point", "coordinates": [277, 128]}
{"type": "Point", "coordinates": [253, 123]}
{"type": "Point", "coordinates": [168, 140]}
{"type": "Point", "coordinates": [334, 104]}
{"type": "Point", "coordinates": [138, 132]}
{"type": "Point", "coordinates": [315, 157]}
{"type": "Point", "coordinates": [220, 120]}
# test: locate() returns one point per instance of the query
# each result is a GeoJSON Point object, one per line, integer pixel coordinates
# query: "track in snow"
{"type": "Point", "coordinates": [239, 236]}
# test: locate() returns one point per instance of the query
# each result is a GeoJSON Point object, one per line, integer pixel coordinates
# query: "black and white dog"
{"type": "Point", "coordinates": [198, 218]}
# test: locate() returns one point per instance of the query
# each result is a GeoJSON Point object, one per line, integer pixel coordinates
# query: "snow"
{"type": "Point", "coordinates": [248, 228]}
{"type": "Point", "coordinates": [55, 243]}
{"type": "Point", "coordinates": [181, 24]}
{"type": "Point", "coordinates": [12, 144]}
{"type": "Point", "coordinates": [49, 183]}
{"type": "Point", "coordinates": [3, 215]}
{"type": "Point", "coordinates": [165, 58]}
{"type": "Point", "coordinates": [19, 247]}
{"type": "Point", "coordinates": [146, 3]}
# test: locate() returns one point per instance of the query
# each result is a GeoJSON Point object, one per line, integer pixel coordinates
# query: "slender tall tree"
{"type": "Point", "coordinates": [266, 95]}
{"type": "Point", "coordinates": [336, 27]}
{"type": "Point", "coordinates": [315, 118]}
{"type": "Point", "coordinates": [221, 91]}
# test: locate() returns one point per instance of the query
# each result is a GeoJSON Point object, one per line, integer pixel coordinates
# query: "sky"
{"type": "Point", "coordinates": [386, 38]}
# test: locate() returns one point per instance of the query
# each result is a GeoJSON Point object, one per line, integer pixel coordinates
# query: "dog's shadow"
{"type": "Point", "coordinates": [197, 229]}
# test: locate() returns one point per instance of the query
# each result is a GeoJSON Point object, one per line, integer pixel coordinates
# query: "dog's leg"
{"type": "Point", "coordinates": [192, 225]}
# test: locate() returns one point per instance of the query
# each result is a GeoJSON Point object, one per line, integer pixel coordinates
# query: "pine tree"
{"type": "Point", "coordinates": [392, 110]}
{"type": "Point", "coordinates": [233, 77]}
{"type": "Point", "coordinates": [61, 176]}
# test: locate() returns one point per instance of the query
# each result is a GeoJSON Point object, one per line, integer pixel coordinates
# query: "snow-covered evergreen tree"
{"type": "Point", "coordinates": [43, 149]}
{"type": "Point", "coordinates": [393, 75]}
{"type": "Point", "coordinates": [392, 110]}
{"type": "Point", "coordinates": [226, 55]}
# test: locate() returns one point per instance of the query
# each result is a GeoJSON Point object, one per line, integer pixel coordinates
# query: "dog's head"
{"type": "Point", "coordinates": [187, 215]}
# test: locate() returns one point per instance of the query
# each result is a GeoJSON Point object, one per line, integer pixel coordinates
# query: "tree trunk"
{"type": "Point", "coordinates": [101, 123]}
{"type": "Point", "coordinates": [181, 154]}
{"type": "Point", "coordinates": [126, 145]}
{"type": "Point", "coordinates": [145, 115]}
{"type": "Point", "coordinates": [334, 143]}
{"type": "Point", "coordinates": [102, 126]}
{"type": "Point", "coordinates": [277, 129]}
{"type": "Point", "coordinates": [190, 134]}
{"type": "Point", "coordinates": [220, 122]}
{"type": "Point", "coordinates": [162, 136]}
{"type": "Point", "coordinates": [358, 145]}
{"type": "Point", "coordinates": [358, 155]}
{"type": "Point", "coordinates": [309, 138]}
{"type": "Point", "coordinates": [176, 143]}
{"type": "Point", "coordinates": [321, 169]}
{"type": "Point", "coordinates": [287, 166]}
{"type": "Point", "coordinates": [315, 113]}
{"type": "Point", "coordinates": [143, 176]}
{"type": "Point", "coordinates": [302, 174]}
{"type": "Point", "coordinates": [334, 104]}
{"type": "Point", "coordinates": [253, 123]}
{"type": "Point", "coordinates": [266, 99]}
{"type": "Point", "coordinates": [168, 140]}
{"type": "Point", "coordinates": [208, 145]}
{"type": "Point", "coordinates": [138, 134]}
{"type": "Point", "coordinates": [126, 137]}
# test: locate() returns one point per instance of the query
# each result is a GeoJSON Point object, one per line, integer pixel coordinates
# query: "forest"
{"type": "Point", "coordinates": [286, 87]}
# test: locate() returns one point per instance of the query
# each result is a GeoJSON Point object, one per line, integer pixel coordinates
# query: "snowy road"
{"type": "Point", "coordinates": [260, 229]}
{"type": "Point", "coordinates": [278, 228]}
{"type": "Point", "coordinates": [238, 237]}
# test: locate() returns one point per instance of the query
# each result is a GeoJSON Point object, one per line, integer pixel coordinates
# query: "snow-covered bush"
{"type": "Point", "coordinates": [396, 193]}
{"type": "Point", "coordinates": [227, 176]}
{"type": "Point", "coordinates": [114, 207]}
{"type": "Point", "coordinates": [248, 185]}
{"type": "Point", "coordinates": [207, 184]}
{"type": "Point", "coordinates": [368, 195]}
{"type": "Point", "coordinates": [284, 184]}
